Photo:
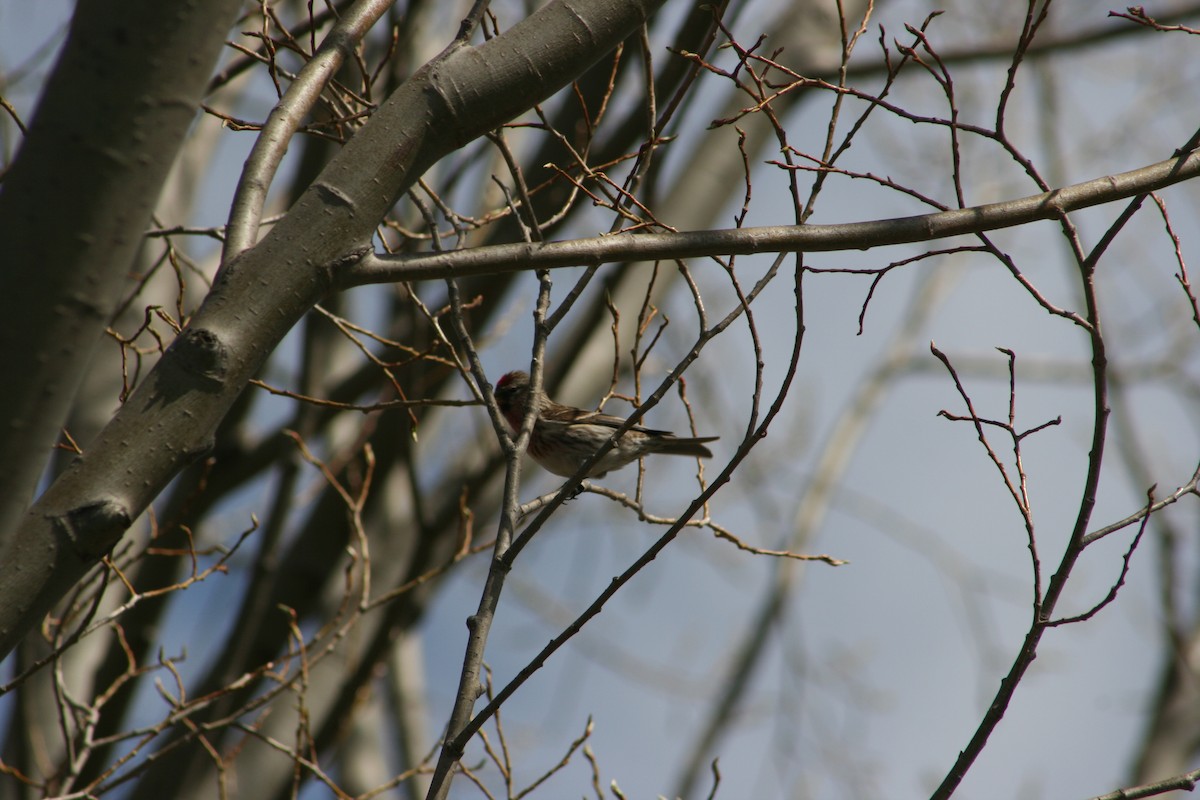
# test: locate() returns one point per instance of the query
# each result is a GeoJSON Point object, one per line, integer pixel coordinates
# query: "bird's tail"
{"type": "Point", "coordinates": [673, 445]}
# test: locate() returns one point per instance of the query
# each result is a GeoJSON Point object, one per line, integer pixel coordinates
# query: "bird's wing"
{"type": "Point", "coordinates": [609, 421]}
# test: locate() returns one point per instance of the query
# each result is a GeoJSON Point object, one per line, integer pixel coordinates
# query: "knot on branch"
{"type": "Point", "coordinates": [201, 353]}
{"type": "Point", "coordinates": [349, 259]}
{"type": "Point", "coordinates": [333, 195]}
{"type": "Point", "coordinates": [93, 528]}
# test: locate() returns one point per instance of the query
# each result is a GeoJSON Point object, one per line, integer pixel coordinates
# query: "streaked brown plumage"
{"type": "Point", "coordinates": [564, 436]}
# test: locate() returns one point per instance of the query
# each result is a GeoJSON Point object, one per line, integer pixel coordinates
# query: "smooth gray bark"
{"type": "Point", "coordinates": [75, 204]}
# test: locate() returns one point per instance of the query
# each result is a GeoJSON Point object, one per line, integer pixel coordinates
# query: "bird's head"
{"type": "Point", "coordinates": [511, 391]}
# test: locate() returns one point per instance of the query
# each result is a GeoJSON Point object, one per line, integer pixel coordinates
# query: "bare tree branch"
{"type": "Point", "coordinates": [464, 93]}
{"type": "Point", "coordinates": [374, 268]}
{"type": "Point", "coordinates": [98, 148]}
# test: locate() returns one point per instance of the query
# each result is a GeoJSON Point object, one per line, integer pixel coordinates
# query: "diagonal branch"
{"type": "Point", "coordinates": [109, 124]}
{"type": "Point", "coordinates": [285, 119]}
{"type": "Point", "coordinates": [171, 417]}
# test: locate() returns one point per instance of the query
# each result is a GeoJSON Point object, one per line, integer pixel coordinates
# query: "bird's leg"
{"type": "Point", "coordinates": [580, 489]}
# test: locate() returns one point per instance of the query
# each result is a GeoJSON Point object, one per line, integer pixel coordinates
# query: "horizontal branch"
{"type": "Point", "coordinates": [375, 268]}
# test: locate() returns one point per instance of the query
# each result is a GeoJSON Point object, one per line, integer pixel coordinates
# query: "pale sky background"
{"type": "Point", "coordinates": [883, 667]}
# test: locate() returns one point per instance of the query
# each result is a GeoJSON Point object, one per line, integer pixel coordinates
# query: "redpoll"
{"type": "Point", "coordinates": [564, 436]}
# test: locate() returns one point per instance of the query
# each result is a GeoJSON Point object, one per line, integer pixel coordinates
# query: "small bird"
{"type": "Point", "coordinates": [564, 436]}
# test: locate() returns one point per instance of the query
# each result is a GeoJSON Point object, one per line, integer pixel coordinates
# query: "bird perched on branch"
{"type": "Point", "coordinates": [564, 436]}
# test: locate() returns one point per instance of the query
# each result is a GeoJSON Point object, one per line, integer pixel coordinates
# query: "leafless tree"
{"type": "Point", "coordinates": [924, 273]}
